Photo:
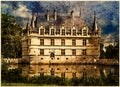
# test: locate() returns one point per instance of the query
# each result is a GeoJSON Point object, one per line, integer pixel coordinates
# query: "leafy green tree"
{"type": "Point", "coordinates": [112, 52]}
{"type": "Point", "coordinates": [10, 37]}
{"type": "Point", "coordinates": [102, 53]}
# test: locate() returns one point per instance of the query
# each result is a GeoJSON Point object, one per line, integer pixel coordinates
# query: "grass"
{"type": "Point", "coordinates": [25, 84]}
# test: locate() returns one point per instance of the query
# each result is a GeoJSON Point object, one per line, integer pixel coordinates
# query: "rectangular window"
{"type": "Point", "coordinates": [41, 31]}
{"type": "Point", "coordinates": [29, 41]}
{"type": "Point", "coordinates": [73, 42]}
{"type": "Point", "coordinates": [84, 52]}
{"type": "Point", "coordinates": [73, 52]}
{"type": "Point", "coordinates": [52, 42]}
{"type": "Point", "coordinates": [84, 42]}
{"type": "Point", "coordinates": [63, 42]}
{"type": "Point", "coordinates": [84, 33]}
{"type": "Point", "coordinates": [42, 52]}
{"type": "Point", "coordinates": [52, 32]}
{"type": "Point", "coordinates": [62, 52]}
{"type": "Point", "coordinates": [74, 32]}
{"type": "Point", "coordinates": [63, 31]}
{"type": "Point", "coordinates": [41, 42]}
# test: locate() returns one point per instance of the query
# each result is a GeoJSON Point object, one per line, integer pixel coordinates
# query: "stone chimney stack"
{"type": "Point", "coordinates": [33, 20]}
{"type": "Point", "coordinates": [55, 15]}
{"type": "Point", "coordinates": [72, 14]}
{"type": "Point", "coordinates": [48, 15]}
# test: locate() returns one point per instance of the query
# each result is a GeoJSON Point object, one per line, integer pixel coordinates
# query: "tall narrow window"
{"type": "Point", "coordinates": [29, 41]}
{"type": "Point", "coordinates": [62, 52]}
{"type": "Point", "coordinates": [63, 31]}
{"type": "Point", "coordinates": [84, 42]}
{"type": "Point", "coordinates": [42, 52]}
{"type": "Point", "coordinates": [52, 32]}
{"type": "Point", "coordinates": [84, 52]}
{"type": "Point", "coordinates": [63, 42]}
{"type": "Point", "coordinates": [41, 31]}
{"type": "Point", "coordinates": [73, 42]}
{"type": "Point", "coordinates": [84, 33]}
{"type": "Point", "coordinates": [63, 74]}
{"type": "Point", "coordinates": [74, 75]}
{"type": "Point", "coordinates": [41, 42]}
{"type": "Point", "coordinates": [74, 32]}
{"type": "Point", "coordinates": [73, 52]}
{"type": "Point", "coordinates": [52, 42]}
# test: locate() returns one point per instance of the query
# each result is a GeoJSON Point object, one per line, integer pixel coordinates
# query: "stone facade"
{"type": "Point", "coordinates": [60, 39]}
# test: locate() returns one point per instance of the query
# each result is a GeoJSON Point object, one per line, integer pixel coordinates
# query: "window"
{"type": "Point", "coordinates": [84, 42]}
{"type": "Point", "coordinates": [63, 31]}
{"type": "Point", "coordinates": [73, 42]}
{"type": "Point", "coordinates": [52, 73]}
{"type": "Point", "coordinates": [52, 42]}
{"type": "Point", "coordinates": [84, 52]}
{"type": "Point", "coordinates": [73, 52]}
{"type": "Point", "coordinates": [63, 74]}
{"type": "Point", "coordinates": [41, 31]}
{"type": "Point", "coordinates": [52, 55]}
{"type": "Point", "coordinates": [52, 32]}
{"type": "Point", "coordinates": [74, 32]}
{"type": "Point", "coordinates": [29, 41]}
{"type": "Point", "coordinates": [41, 73]}
{"type": "Point", "coordinates": [42, 52]}
{"type": "Point", "coordinates": [41, 42]}
{"type": "Point", "coordinates": [62, 52]}
{"type": "Point", "coordinates": [84, 33]}
{"type": "Point", "coordinates": [58, 69]}
{"type": "Point", "coordinates": [63, 42]}
{"type": "Point", "coordinates": [74, 75]}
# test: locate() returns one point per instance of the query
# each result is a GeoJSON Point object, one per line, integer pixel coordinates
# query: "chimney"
{"type": "Point", "coordinates": [48, 15]}
{"type": "Point", "coordinates": [55, 15]}
{"type": "Point", "coordinates": [72, 14]}
{"type": "Point", "coordinates": [33, 21]}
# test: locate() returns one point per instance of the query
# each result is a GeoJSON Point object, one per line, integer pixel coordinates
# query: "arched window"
{"type": "Point", "coordinates": [52, 55]}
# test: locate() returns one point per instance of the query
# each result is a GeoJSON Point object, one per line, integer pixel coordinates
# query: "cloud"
{"type": "Point", "coordinates": [22, 11]}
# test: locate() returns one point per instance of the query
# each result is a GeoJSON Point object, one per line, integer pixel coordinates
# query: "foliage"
{"type": "Point", "coordinates": [112, 52]}
{"type": "Point", "coordinates": [10, 37]}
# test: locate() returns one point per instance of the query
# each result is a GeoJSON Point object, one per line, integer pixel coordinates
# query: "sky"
{"type": "Point", "coordinates": [107, 12]}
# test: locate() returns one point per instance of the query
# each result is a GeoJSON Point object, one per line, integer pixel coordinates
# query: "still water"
{"type": "Point", "coordinates": [66, 71]}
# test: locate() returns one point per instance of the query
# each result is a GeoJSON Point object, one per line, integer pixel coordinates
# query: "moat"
{"type": "Point", "coordinates": [96, 72]}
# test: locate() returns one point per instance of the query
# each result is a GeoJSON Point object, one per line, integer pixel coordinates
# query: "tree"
{"type": "Point", "coordinates": [112, 52]}
{"type": "Point", "coordinates": [102, 53]}
{"type": "Point", "coordinates": [10, 37]}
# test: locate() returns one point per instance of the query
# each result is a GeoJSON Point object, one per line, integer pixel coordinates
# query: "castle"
{"type": "Point", "coordinates": [57, 38]}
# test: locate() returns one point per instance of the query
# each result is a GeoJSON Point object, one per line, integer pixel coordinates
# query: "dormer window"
{"type": "Point", "coordinates": [52, 32]}
{"type": "Point", "coordinates": [41, 31]}
{"type": "Point", "coordinates": [84, 32]}
{"type": "Point", "coordinates": [63, 31]}
{"type": "Point", "coordinates": [74, 32]}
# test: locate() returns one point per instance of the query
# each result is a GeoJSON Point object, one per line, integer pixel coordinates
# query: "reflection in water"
{"type": "Point", "coordinates": [66, 71]}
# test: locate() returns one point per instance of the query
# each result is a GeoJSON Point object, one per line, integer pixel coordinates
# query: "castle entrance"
{"type": "Point", "coordinates": [52, 55]}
